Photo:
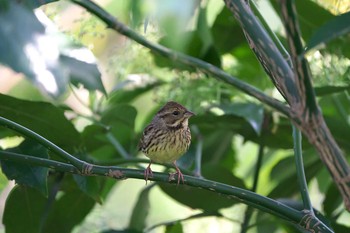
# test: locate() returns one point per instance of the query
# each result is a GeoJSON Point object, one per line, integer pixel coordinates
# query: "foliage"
{"type": "Point", "coordinates": [105, 126]}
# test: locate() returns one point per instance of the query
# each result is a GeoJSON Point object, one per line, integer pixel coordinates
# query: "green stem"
{"type": "Point", "coordinates": [250, 198]}
{"type": "Point", "coordinates": [244, 196]}
{"type": "Point", "coordinates": [117, 145]}
{"type": "Point", "coordinates": [131, 160]}
{"type": "Point", "coordinates": [112, 23]}
{"type": "Point", "coordinates": [199, 147]}
{"type": "Point", "coordinates": [200, 215]}
{"type": "Point", "coordinates": [298, 154]}
{"type": "Point", "coordinates": [272, 35]}
{"type": "Point", "coordinates": [79, 164]}
{"type": "Point", "coordinates": [249, 212]}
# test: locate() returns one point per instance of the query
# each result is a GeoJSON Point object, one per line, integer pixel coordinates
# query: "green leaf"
{"type": "Point", "coordinates": [340, 228]}
{"type": "Point", "coordinates": [121, 120]}
{"type": "Point", "coordinates": [140, 211]}
{"type": "Point", "coordinates": [23, 210]}
{"type": "Point", "coordinates": [35, 3]}
{"type": "Point", "coordinates": [334, 28]}
{"type": "Point", "coordinates": [266, 224]}
{"type": "Point", "coordinates": [252, 113]}
{"type": "Point", "coordinates": [94, 138]}
{"type": "Point", "coordinates": [332, 200]}
{"type": "Point", "coordinates": [327, 90]}
{"type": "Point", "coordinates": [68, 211]}
{"type": "Point", "coordinates": [191, 44]}
{"type": "Point", "coordinates": [32, 52]}
{"type": "Point", "coordinates": [32, 176]}
{"type": "Point", "coordinates": [90, 185]}
{"type": "Point", "coordinates": [120, 95]}
{"type": "Point", "coordinates": [276, 134]}
{"type": "Point", "coordinates": [226, 31]}
{"type": "Point", "coordinates": [174, 228]}
{"type": "Point", "coordinates": [43, 118]}
{"type": "Point", "coordinates": [121, 231]}
{"type": "Point", "coordinates": [286, 176]}
{"type": "Point", "coordinates": [81, 72]}
{"type": "Point", "coordinates": [309, 23]}
{"type": "Point", "coordinates": [202, 199]}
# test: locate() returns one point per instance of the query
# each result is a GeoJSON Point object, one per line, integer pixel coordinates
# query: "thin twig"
{"type": "Point", "coordinates": [116, 144]}
{"type": "Point", "coordinates": [249, 211]}
{"type": "Point", "coordinates": [199, 147]}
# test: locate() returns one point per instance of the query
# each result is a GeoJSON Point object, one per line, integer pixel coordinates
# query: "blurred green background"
{"type": "Point", "coordinates": [132, 83]}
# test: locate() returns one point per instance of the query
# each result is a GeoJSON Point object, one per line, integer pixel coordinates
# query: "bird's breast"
{"type": "Point", "coordinates": [169, 146]}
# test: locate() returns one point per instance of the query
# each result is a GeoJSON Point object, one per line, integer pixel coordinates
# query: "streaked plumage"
{"type": "Point", "coordinates": [167, 137]}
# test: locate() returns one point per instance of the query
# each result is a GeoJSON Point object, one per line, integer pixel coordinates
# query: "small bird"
{"type": "Point", "coordinates": [167, 137]}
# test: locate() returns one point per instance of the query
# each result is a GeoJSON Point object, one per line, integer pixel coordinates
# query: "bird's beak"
{"type": "Point", "coordinates": [189, 114]}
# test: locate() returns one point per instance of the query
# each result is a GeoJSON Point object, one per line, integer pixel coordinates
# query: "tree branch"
{"type": "Point", "coordinates": [244, 196]}
{"type": "Point", "coordinates": [114, 24]}
{"type": "Point", "coordinates": [297, 90]}
{"type": "Point", "coordinates": [298, 155]}
{"type": "Point", "coordinates": [83, 168]}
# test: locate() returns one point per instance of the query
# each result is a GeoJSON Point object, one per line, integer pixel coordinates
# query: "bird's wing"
{"type": "Point", "coordinates": [145, 136]}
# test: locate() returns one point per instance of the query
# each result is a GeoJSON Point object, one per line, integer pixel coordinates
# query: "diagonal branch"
{"type": "Point", "coordinates": [311, 121]}
{"type": "Point", "coordinates": [114, 24]}
{"type": "Point", "coordinates": [295, 85]}
{"type": "Point", "coordinates": [244, 196]}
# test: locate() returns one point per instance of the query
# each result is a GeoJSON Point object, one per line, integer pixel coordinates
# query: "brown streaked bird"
{"type": "Point", "coordinates": [167, 137]}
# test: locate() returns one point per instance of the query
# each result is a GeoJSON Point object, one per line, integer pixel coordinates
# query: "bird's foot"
{"type": "Point", "coordinates": [148, 173]}
{"type": "Point", "coordinates": [179, 174]}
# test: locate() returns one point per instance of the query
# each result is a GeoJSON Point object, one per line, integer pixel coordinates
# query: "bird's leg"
{"type": "Point", "coordinates": [179, 174]}
{"type": "Point", "coordinates": [148, 172]}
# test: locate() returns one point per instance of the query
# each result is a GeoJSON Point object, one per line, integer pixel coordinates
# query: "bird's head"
{"type": "Point", "coordinates": [174, 115]}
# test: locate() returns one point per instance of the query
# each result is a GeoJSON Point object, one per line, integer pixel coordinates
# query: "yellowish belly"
{"type": "Point", "coordinates": [167, 151]}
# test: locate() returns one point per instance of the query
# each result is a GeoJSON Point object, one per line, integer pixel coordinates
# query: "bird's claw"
{"type": "Point", "coordinates": [148, 173]}
{"type": "Point", "coordinates": [180, 176]}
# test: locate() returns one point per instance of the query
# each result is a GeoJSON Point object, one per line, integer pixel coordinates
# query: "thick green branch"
{"type": "Point", "coordinates": [79, 164]}
{"type": "Point", "coordinates": [301, 66]}
{"type": "Point", "coordinates": [182, 58]}
{"type": "Point", "coordinates": [244, 196]}
{"type": "Point", "coordinates": [81, 167]}
{"type": "Point", "coordinates": [297, 89]}
{"type": "Point", "coordinates": [119, 173]}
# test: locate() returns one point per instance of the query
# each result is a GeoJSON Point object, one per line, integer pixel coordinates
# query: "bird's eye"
{"type": "Point", "coordinates": [175, 113]}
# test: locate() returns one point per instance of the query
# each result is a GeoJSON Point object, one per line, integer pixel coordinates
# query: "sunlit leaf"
{"type": "Point", "coordinates": [286, 175]}
{"type": "Point", "coordinates": [84, 73]}
{"type": "Point", "coordinates": [175, 228]}
{"type": "Point", "coordinates": [253, 113]}
{"type": "Point", "coordinates": [32, 52]}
